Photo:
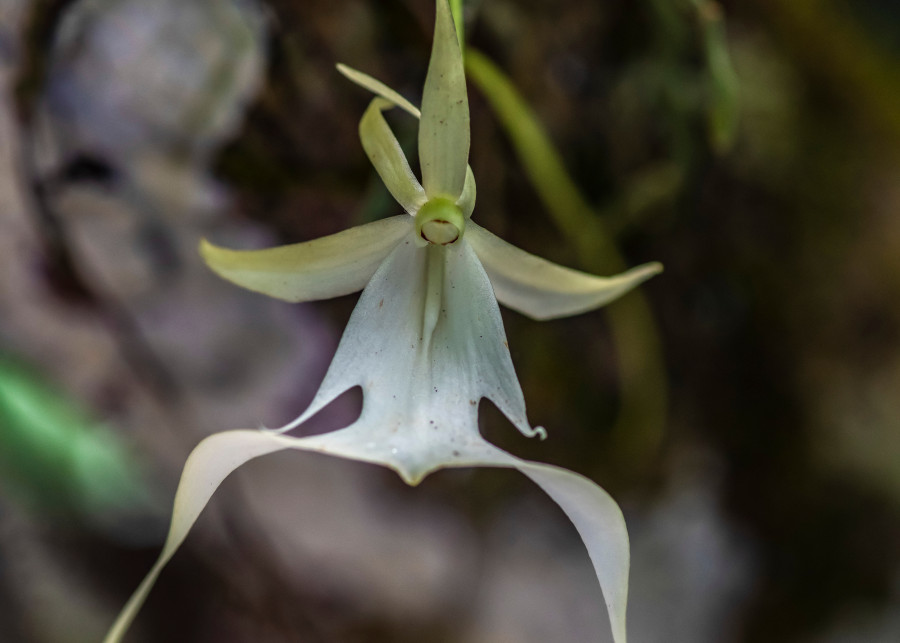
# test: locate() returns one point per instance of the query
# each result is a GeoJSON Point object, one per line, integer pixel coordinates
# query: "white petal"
{"type": "Point", "coordinates": [543, 290]}
{"type": "Point", "coordinates": [601, 525]}
{"type": "Point", "coordinates": [207, 466]}
{"type": "Point", "coordinates": [426, 343]}
{"type": "Point", "coordinates": [444, 129]}
{"type": "Point", "coordinates": [379, 88]}
{"type": "Point", "coordinates": [386, 155]}
{"type": "Point", "coordinates": [331, 266]}
{"type": "Point", "coordinates": [594, 513]}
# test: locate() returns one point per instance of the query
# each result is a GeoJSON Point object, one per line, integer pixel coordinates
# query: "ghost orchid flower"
{"type": "Point", "coordinates": [425, 341]}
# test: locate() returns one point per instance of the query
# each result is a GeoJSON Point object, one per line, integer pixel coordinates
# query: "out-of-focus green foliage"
{"type": "Point", "coordinates": [824, 34]}
{"type": "Point", "coordinates": [55, 458]}
{"type": "Point", "coordinates": [724, 104]}
{"type": "Point", "coordinates": [643, 403]}
{"type": "Point", "coordinates": [685, 29]}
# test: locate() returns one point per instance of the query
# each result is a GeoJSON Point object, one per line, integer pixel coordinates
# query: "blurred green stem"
{"type": "Point", "coordinates": [641, 419]}
{"type": "Point", "coordinates": [675, 26]}
{"type": "Point", "coordinates": [838, 49]}
{"type": "Point", "coordinates": [724, 95]}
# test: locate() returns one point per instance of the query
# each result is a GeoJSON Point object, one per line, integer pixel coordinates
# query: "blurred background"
{"type": "Point", "coordinates": [743, 408]}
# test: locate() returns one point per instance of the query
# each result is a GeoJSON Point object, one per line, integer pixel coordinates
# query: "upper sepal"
{"type": "Point", "coordinates": [444, 129]}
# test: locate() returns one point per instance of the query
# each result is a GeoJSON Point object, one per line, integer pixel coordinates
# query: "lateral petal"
{"type": "Point", "coordinates": [601, 525]}
{"type": "Point", "coordinates": [378, 88]}
{"type": "Point", "coordinates": [544, 290]}
{"type": "Point", "coordinates": [444, 129]}
{"type": "Point", "coordinates": [387, 157]}
{"type": "Point", "coordinates": [331, 266]}
{"type": "Point", "coordinates": [211, 461]}
{"type": "Point", "coordinates": [206, 467]}
{"type": "Point", "coordinates": [466, 200]}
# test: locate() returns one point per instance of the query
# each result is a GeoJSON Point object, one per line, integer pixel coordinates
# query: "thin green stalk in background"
{"type": "Point", "coordinates": [676, 26]}
{"type": "Point", "coordinates": [724, 97]}
{"type": "Point", "coordinates": [839, 49]}
{"type": "Point", "coordinates": [639, 426]}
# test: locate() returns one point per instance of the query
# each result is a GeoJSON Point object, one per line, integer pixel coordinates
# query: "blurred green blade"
{"type": "Point", "coordinates": [642, 413]}
{"type": "Point", "coordinates": [55, 458]}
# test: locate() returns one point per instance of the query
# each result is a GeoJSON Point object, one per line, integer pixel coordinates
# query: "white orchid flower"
{"type": "Point", "coordinates": [426, 341]}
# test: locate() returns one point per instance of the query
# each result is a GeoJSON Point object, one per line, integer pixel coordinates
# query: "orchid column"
{"type": "Point", "coordinates": [426, 341]}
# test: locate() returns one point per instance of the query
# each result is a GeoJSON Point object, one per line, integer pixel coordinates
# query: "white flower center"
{"type": "Point", "coordinates": [440, 221]}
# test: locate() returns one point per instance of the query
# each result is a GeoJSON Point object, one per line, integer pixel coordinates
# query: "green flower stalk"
{"type": "Point", "coordinates": [425, 341]}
